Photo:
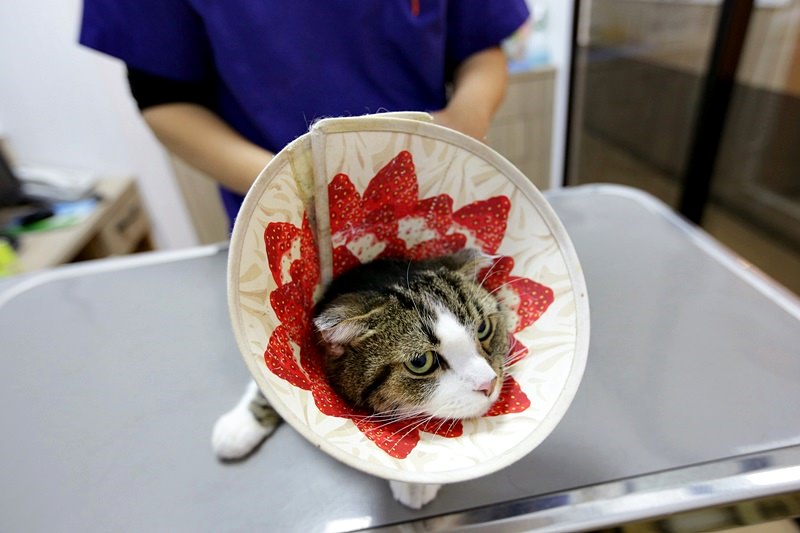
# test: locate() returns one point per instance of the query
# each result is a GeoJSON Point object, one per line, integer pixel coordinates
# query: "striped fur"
{"type": "Point", "coordinates": [380, 319]}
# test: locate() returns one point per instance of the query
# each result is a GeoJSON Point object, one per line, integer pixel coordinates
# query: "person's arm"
{"type": "Point", "coordinates": [181, 115]}
{"type": "Point", "coordinates": [478, 89]}
{"type": "Point", "coordinates": [205, 141]}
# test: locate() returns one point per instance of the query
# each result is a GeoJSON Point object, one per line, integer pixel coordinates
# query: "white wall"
{"type": "Point", "coordinates": [62, 104]}
{"type": "Point", "coordinates": [551, 40]}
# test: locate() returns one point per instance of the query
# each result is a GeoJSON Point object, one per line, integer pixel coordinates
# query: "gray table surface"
{"type": "Point", "coordinates": [114, 373]}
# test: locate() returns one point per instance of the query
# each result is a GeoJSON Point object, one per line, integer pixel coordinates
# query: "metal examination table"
{"type": "Point", "coordinates": [114, 373]}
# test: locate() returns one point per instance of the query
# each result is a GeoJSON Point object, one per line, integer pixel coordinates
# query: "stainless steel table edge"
{"type": "Point", "coordinates": [726, 481]}
{"type": "Point", "coordinates": [739, 266]}
{"type": "Point", "coordinates": [15, 286]}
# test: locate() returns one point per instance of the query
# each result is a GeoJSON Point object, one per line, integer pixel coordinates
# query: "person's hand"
{"type": "Point", "coordinates": [469, 122]}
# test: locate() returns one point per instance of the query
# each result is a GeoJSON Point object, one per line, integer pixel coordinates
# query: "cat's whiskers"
{"type": "Point", "coordinates": [393, 417]}
{"type": "Point", "coordinates": [415, 420]}
{"type": "Point", "coordinates": [403, 423]}
{"type": "Point", "coordinates": [488, 273]}
{"type": "Point", "coordinates": [452, 423]}
{"type": "Point", "coordinates": [511, 359]}
{"type": "Point", "coordinates": [389, 416]}
{"type": "Point", "coordinates": [422, 421]}
{"type": "Point", "coordinates": [386, 420]}
{"type": "Point", "coordinates": [488, 297]}
{"type": "Point", "coordinates": [443, 422]}
{"type": "Point", "coordinates": [494, 291]}
{"type": "Point", "coordinates": [411, 428]}
{"type": "Point", "coordinates": [400, 417]}
{"type": "Point", "coordinates": [379, 416]}
{"type": "Point", "coordinates": [508, 365]}
{"type": "Point", "coordinates": [407, 432]}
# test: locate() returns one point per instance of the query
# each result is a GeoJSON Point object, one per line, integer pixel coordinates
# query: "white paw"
{"type": "Point", "coordinates": [237, 433]}
{"type": "Point", "coordinates": [413, 495]}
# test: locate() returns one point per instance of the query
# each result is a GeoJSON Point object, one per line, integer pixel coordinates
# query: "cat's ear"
{"type": "Point", "coordinates": [344, 322]}
{"type": "Point", "coordinates": [469, 261]}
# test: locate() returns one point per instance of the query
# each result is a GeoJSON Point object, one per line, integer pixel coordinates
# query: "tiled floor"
{"type": "Point", "coordinates": [601, 162]}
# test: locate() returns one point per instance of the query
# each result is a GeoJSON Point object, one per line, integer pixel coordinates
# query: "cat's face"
{"type": "Point", "coordinates": [430, 343]}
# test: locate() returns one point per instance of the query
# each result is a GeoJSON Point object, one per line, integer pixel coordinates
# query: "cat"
{"type": "Point", "coordinates": [403, 339]}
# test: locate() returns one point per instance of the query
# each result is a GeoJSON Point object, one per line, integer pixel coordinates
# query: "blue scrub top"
{"type": "Point", "coordinates": [279, 65]}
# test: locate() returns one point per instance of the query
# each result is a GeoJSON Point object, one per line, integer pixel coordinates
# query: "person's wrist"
{"type": "Point", "coordinates": [474, 118]}
{"type": "Point", "coordinates": [472, 107]}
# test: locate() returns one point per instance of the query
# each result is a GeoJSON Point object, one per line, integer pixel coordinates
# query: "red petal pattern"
{"type": "Point", "coordinates": [394, 185]}
{"type": "Point", "coordinates": [534, 298]}
{"type": "Point", "coordinates": [436, 247]}
{"type": "Point", "coordinates": [444, 428]}
{"type": "Point", "coordinates": [486, 220]}
{"type": "Point", "coordinates": [344, 203]}
{"type": "Point", "coordinates": [343, 260]}
{"type": "Point", "coordinates": [437, 212]}
{"type": "Point", "coordinates": [278, 240]}
{"type": "Point", "coordinates": [511, 400]}
{"type": "Point", "coordinates": [516, 351]}
{"type": "Point", "coordinates": [390, 220]}
{"type": "Point", "coordinates": [396, 439]}
{"type": "Point", "coordinates": [288, 303]}
{"type": "Point", "coordinates": [280, 359]}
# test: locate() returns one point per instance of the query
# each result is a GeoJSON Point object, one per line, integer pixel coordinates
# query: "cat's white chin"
{"type": "Point", "coordinates": [470, 405]}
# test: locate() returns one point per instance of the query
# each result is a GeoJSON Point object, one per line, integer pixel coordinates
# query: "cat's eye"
{"type": "Point", "coordinates": [423, 364]}
{"type": "Point", "coordinates": [484, 330]}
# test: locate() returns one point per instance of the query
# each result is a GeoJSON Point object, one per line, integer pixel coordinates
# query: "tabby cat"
{"type": "Point", "coordinates": [403, 339]}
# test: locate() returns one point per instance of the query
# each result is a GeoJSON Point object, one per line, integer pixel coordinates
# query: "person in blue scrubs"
{"type": "Point", "coordinates": [225, 85]}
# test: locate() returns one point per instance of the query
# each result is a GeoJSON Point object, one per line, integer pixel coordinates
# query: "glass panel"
{"type": "Point", "coordinates": [640, 73]}
{"type": "Point", "coordinates": [640, 68]}
{"type": "Point", "coordinates": [756, 183]}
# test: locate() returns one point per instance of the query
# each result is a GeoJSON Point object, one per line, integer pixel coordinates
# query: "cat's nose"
{"type": "Point", "coordinates": [488, 387]}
